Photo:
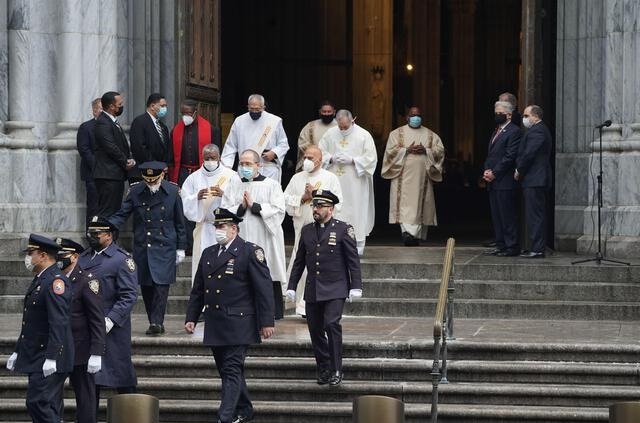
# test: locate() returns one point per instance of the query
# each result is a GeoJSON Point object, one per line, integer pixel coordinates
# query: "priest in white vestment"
{"type": "Point", "coordinates": [261, 132]}
{"type": "Point", "coordinates": [297, 197]}
{"type": "Point", "coordinates": [348, 151]}
{"type": "Point", "coordinates": [201, 195]}
{"type": "Point", "coordinates": [312, 132]}
{"type": "Point", "coordinates": [413, 161]}
{"type": "Point", "coordinates": [260, 202]}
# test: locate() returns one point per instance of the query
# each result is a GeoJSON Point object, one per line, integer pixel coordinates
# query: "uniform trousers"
{"type": "Point", "coordinates": [535, 199]}
{"type": "Point", "coordinates": [234, 395]}
{"type": "Point", "coordinates": [503, 217]}
{"type": "Point", "coordinates": [110, 192]}
{"type": "Point", "coordinates": [155, 301]}
{"type": "Point", "coordinates": [85, 390]}
{"type": "Point", "coordinates": [43, 397]}
{"type": "Point", "coordinates": [325, 330]}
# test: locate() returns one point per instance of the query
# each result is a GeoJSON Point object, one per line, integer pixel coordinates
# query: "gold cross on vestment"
{"type": "Point", "coordinates": [339, 171]}
{"type": "Point", "coordinates": [344, 142]}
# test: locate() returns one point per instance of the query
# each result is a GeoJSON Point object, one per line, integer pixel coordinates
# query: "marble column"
{"type": "Point", "coordinates": [597, 79]}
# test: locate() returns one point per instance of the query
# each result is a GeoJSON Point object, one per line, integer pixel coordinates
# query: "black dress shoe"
{"type": "Point", "coordinates": [241, 419]}
{"type": "Point", "coordinates": [508, 253]}
{"type": "Point", "coordinates": [410, 240]}
{"type": "Point", "coordinates": [489, 243]}
{"type": "Point", "coordinates": [154, 330]}
{"type": "Point", "coordinates": [336, 378]}
{"type": "Point", "coordinates": [532, 254]}
{"type": "Point", "coordinates": [324, 377]}
{"type": "Point", "coordinates": [493, 252]}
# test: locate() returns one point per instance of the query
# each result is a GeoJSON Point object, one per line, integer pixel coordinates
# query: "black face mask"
{"type": "Point", "coordinates": [255, 115]}
{"type": "Point", "coordinates": [119, 112]}
{"type": "Point", "coordinates": [94, 242]}
{"type": "Point", "coordinates": [500, 118]}
{"type": "Point", "coordinates": [327, 119]}
{"type": "Point", "coordinates": [63, 262]}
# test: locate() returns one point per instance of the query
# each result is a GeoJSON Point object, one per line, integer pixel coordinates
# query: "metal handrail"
{"type": "Point", "coordinates": [442, 327]}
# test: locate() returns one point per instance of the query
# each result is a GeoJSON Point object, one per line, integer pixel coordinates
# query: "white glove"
{"type": "Point", "coordinates": [354, 294]}
{"type": "Point", "coordinates": [11, 362]}
{"type": "Point", "coordinates": [179, 256]}
{"type": "Point", "coordinates": [108, 323]}
{"type": "Point", "coordinates": [49, 367]}
{"type": "Point", "coordinates": [95, 364]}
{"type": "Point", "coordinates": [291, 295]}
{"type": "Point", "coordinates": [342, 158]}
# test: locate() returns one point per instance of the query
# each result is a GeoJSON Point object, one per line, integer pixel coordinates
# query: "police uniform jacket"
{"type": "Point", "coordinates": [333, 266]}
{"type": "Point", "coordinates": [46, 332]}
{"type": "Point", "coordinates": [116, 271]}
{"type": "Point", "coordinates": [501, 158]}
{"type": "Point", "coordinates": [236, 292]}
{"type": "Point", "coordinates": [158, 230]}
{"type": "Point", "coordinates": [87, 317]}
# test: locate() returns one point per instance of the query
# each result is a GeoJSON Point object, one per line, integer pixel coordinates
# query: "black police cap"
{"type": "Point", "coordinates": [69, 246]}
{"type": "Point", "coordinates": [324, 196]}
{"type": "Point", "coordinates": [100, 224]}
{"type": "Point", "coordinates": [225, 216]}
{"type": "Point", "coordinates": [152, 170]}
{"type": "Point", "coordinates": [39, 242]}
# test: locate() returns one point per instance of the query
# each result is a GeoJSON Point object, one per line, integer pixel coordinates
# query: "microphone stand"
{"type": "Point", "coordinates": [599, 258]}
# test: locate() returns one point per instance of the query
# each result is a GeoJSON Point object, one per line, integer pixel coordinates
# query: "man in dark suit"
{"type": "Point", "coordinates": [87, 326]}
{"type": "Point", "coordinates": [44, 350]}
{"type": "Point", "coordinates": [116, 271]}
{"type": "Point", "coordinates": [84, 142]}
{"type": "Point", "coordinates": [533, 170]}
{"type": "Point", "coordinates": [159, 238]}
{"type": "Point", "coordinates": [112, 155]}
{"type": "Point", "coordinates": [499, 169]}
{"type": "Point", "coordinates": [327, 248]}
{"type": "Point", "coordinates": [233, 286]}
{"type": "Point", "coordinates": [149, 135]}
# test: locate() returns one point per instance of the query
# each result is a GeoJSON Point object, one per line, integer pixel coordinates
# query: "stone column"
{"type": "Point", "coordinates": [597, 79]}
{"type": "Point", "coordinates": [462, 64]}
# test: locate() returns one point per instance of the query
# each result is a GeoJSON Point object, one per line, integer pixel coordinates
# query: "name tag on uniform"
{"type": "Point", "coordinates": [229, 269]}
{"type": "Point", "coordinates": [332, 238]}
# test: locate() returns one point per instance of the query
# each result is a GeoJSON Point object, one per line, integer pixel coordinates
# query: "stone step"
{"type": "Point", "coordinates": [201, 411]}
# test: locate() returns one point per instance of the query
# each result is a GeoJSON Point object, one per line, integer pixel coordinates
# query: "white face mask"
{"type": "Point", "coordinates": [211, 165]}
{"type": "Point", "coordinates": [527, 122]}
{"type": "Point", "coordinates": [347, 131]}
{"type": "Point", "coordinates": [28, 263]}
{"type": "Point", "coordinates": [221, 236]}
{"type": "Point", "coordinates": [187, 120]}
{"type": "Point", "coordinates": [308, 165]}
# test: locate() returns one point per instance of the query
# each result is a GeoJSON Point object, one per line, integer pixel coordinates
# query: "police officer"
{"type": "Point", "coordinates": [116, 271]}
{"type": "Point", "coordinates": [44, 350]}
{"type": "Point", "coordinates": [87, 326]}
{"type": "Point", "coordinates": [159, 238]}
{"type": "Point", "coordinates": [233, 286]}
{"type": "Point", "coordinates": [328, 249]}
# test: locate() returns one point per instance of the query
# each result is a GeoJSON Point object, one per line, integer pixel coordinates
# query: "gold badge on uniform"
{"type": "Point", "coordinates": [351, 232]}
{"type": "Point", "coordinates": [94, 286]}
{"type": "Point", "coordinates": [332, 238]}
{"type": "Point", "coordinates": [58, 287]}
{"type": "Point", "coordinates": [131, 264]}
{"type": "Point", "coordinates": [260, 255]}
{"type": "Point", "coordinates": [229, 269]}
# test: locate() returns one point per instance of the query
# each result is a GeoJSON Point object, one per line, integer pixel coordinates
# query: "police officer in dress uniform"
{"type": "Point", "coordinates": [328, 249]}
{"type": "Point", "coordinates": [115, 269]}
{"type": "Point", "coordinates": [87, 326]}
{"type": "Point", "coordinates": [233, 289]}
{"type": "Point", "coordinates": [44, 350]}
{"type": "Point", "coordinates": [159, 238]}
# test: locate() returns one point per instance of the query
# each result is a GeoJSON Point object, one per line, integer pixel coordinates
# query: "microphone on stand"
{"type": "Point", "coordinates": [604, 124]}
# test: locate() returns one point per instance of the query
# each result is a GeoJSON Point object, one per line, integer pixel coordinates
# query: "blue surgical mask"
{"type": "Point", "coordinates": [415, 121]}
{"type": "Point", "coordinates": [162, 112]}
{"type": "Point", "coordinates": [246, 172]}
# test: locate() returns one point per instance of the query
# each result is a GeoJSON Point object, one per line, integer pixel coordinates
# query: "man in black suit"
{"type": "Point", "coordinates": [87, 326]}
{"type": "Point", "coordinates": [112, 155]}
{"type": "Point", "coordinates": [327, 248]}
{"type": "Point", "coordinates": [232, 287]}
{"type": "Point", "coordinates": [149, 135]}
{"type": "Point", "coordinates": [84, 143]}
{"type": "Point", "coordinates": [533, 170]}
{"type": "Point", "coordinates": [499, 169]}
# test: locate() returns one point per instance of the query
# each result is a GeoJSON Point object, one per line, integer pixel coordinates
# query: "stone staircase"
{"type": "Point", "coordinates": [516, 377]}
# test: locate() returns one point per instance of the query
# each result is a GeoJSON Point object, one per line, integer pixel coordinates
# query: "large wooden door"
{"type": "Point", "coordinates": [201, 56]}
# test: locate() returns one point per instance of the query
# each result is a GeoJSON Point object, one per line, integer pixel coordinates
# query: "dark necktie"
{"type": "Point", "coordinates": [222, 250]}
{"type": "Point", "coordinates": [495, 135]}
{"type": "Point", "coordinates": [159, 129]}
